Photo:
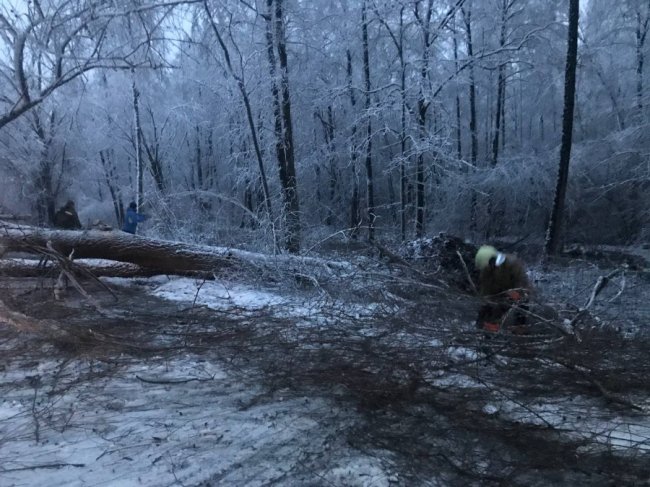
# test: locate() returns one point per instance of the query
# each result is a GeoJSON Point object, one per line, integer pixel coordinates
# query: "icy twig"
{"type": "Point", "coordinates": [46, 465]}
{"type": "Point", "coordinates": [588, 375]}
{"type": "Point", "coordinates": [620, 291]}
{"type": "Point", "coordinates": [601, 283]}
{"type": "Point", "coordinates": [172, 381]}
{"type": "Point", "coordinates": [35, 382]}
{"type": "Point", "coordinates": [469, 277]}
{"type": "Point", "coordinates": [198, 290]}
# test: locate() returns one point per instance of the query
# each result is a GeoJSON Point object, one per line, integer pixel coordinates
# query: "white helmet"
{"type": "Point", "coordinates": [485, 253]}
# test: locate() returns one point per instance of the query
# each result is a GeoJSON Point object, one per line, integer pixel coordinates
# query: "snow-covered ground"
{"type": "Point", "coordinates": [183, 421]}
{"type": "Point", "coordinates": [201, 419]}
{"type": "Point", "coordinates": [245, 298]}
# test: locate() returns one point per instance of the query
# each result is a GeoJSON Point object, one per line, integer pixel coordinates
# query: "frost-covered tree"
{"type": "Point", "coordinates": [386, 115]}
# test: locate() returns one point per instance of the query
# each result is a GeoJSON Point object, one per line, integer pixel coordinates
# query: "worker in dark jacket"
{"type": "Point", "coordinates": [67, 217]}
{"type": "Point", "coordinates": [504, 284]}
{"type": "Point", "coordinates": [132, 218]}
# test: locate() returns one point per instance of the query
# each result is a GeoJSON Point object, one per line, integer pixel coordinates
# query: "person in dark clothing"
{"type": "Point", "coordinates": [132, 218]}
{"type": "Point", "coordinates": [67, 217]}
{"type": "Point", "coordinates": [505, 285]}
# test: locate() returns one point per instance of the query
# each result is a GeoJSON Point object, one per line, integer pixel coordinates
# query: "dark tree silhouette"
{"type": "Point", "coordinates": [553, 236]}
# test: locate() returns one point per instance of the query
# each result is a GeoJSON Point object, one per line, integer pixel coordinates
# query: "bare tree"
{"type": "Point", "coordinates": [398, 40]}
{"type": "Point", "coordinates": [424, 21]}
{"type": "Point", "coordinates": [72, 38]}
{"type": "Point", "coordinates": [459, 139]}
{"type": "Point", "coordinates": [106, 158]}
{"type": "Point", "coordinates": [241, 86]}
{"type": "Point", "coordinates": [467, 19]}
{"type": "Point", "coordinates": [137, 140]}
{"type": "Point", "coordinates": [642, 17]}
{"type": "Point", "coordinates": [52, 164]}
{"type": "Point", "coordinates": [499, 117]}
{"type": "Point", "coordinates": [429, 35]}
{"type": "Point", "coordinates": [554, 233]}
{"type": "Point", "coordinates": [370, 193]}
{"type": "Point", "coordinates": [276, 40]}
{"type": "Point", "coordinates": [327, 123]}
{"type": "Point", "coordinates": [152, 148]}
{"type": "Point", "coordinates": [355, 212]}
{"type": "Point", "coordinates": [385, 81]}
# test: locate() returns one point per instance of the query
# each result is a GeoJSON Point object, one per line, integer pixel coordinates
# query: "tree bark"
{"type": "Point", "coordinates": [333, 170]}
{"type": "Point", "coordinates": [554, 233]}
{"type": "Point", "coordinates": [165, 257]}
{"type": "Point", "coordinates": [423, 107]}
{"type": "Point", "coordinates": [467, 17]}
{"type": "Point", "coordinates": [398, 40]}
{"type": "Point", "coordinates": [110, 177]}
{"type": "Point", "coordinates": [153, 155]}
{"type": "Point", "coordinates": [459, 141]}
{"type": "Point", "coordinates": [501, 85]}
{"type": "Point", "coordinates": [327, 123]}
{"type": "Point", "coordinates": [290, 185]}
{"type": "Point", "coordinates": [355, 214]}
{"type": "Point", "coordinates": [48, 184]}
{"type": "Point", "coordinates": [98, 268]}
{"type": "Point", "coordinates": [370, 195]}
{"type": "Point", "coordinates": [642, 25]}
{"type": "Point", "coordinates": [500, 116]}
{"type": "Point", "coordinates": [275, 39]}
{"type": "Point", "coordinates": [138, 147]}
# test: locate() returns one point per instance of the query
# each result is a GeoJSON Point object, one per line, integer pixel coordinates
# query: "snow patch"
{"type": "Point", "coordinates": [218, 294]}
{"type": "Point", "coordinates": [580, 419]}
{"type": "Point", "coordinates": [462, 354]}
{"type": "Point", "coordinates": [490, 409]}
{"type": "Point", "coordinates": [184, 421]}
{"type": "Point", "coordinates": [359, 472]}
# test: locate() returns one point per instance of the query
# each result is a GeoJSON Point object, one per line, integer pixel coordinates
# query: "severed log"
{"type": "Point", "coordinates": [164, 256]}
{"type": "Point", "coordinates": [100, 268]}
{"type": "Point", "coordinates": [13, 217]}
{"type": "Point", "coordinates": [118, 246]}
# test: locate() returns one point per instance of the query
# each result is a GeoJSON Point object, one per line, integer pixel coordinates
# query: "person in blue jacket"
{"type": "Point", "coordinates": [132, 218]}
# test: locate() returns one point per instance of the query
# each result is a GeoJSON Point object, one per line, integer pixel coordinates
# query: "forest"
{"type": "Point", "coordinates": [279, 124]}
{"type": "Point", "coordinates": [271, 272]}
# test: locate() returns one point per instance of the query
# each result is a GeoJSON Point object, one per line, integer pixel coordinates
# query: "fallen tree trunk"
{"type": "Point", "coordinates": [164, 256]}
{"type": "Point", "coordinates": [14, 217]}
{"type": "Point", "coordinates": [98, 268]}
{"type": "Point", "coordinates": [119, 246]}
